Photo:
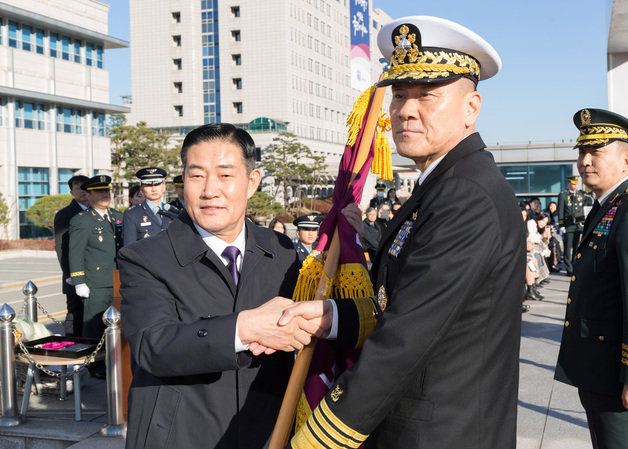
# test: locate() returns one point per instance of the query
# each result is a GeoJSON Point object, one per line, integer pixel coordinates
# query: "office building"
{"type": "Point", "coordinates": [54, 96]}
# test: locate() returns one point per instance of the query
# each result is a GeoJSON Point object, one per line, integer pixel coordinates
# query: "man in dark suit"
{"type": "Point", "coordinates": [194, 299]}
{"type": "Point", "coordinates": [594, 349]}
{"type": "Point", "coordinates": [440, 369]}
{"type": "Point", "coordinates": [179, 201]}
{"type": "Point", "coordinates": [74, 317]}
{"type": "Point", "coordinates": [150, 217]}
{"type": "Point", "coordinates": [95, 238]}
{"type": "Point", "coordinates": [571, 204]}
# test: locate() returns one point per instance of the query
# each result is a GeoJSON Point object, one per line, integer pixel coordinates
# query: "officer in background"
{"type": "Point", "coordinates": [307, 234]}
{"type": "Point", "coordinates": [571, 204]}
{"type": "Point", "coordinates": [95, 237]}
{"type": "Point", "coordinates": [178, 202]}
{"type": "Point", "coordinates": [594, 350]}
{"type": "Point", "coordinates": [74, 318]}
{"type": "Point", "coordinates": [149, 217]}
{"type": "Point", "coordinates": [380, 196]}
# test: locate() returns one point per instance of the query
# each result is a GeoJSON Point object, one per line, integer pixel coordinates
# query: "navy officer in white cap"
{"type": "Point", "coordinates": [151, 216]}
{"type": "Point", "coordinates": [307, 234]}
{"type": "Point", "coordinates": [440, 367]}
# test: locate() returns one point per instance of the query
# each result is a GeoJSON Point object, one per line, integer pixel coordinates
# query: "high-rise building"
{"type": "Point", "coordinates": [267, 66]}
{"type": "Point", "coordinates": [54, 95]}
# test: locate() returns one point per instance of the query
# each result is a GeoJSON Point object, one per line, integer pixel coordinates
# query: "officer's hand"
{"type": "Point", "coordinates": [624, 396]}
{"type": "Point", "coordinates": [314, 317]}
{"type": "Point", "coordinates": [260, 326]}
{"type": "Point", "coordinates": [82, 290]}
{"type": "Point", "coordinates": [353, 214]}
{"type": "Point", "coordinates": [68, 281]}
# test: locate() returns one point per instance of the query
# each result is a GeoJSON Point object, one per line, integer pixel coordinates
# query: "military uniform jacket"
{"type": "Point", "coordinates": [140, 222]}
{"type": "Point", "coordinates": [441, 368]}
{"type": "Point", "coordinates": [93, 247]}
{"type": "Point", "coordinates": [594, 349]}
{"type": "Point", "coordinates": [179, 308]}
{"type": "Point", "coordinates": [570, 206]}
{"type": "Point", "coordinates": [302, 252]}
{"type": "Point", "coordinates": [62, 238]}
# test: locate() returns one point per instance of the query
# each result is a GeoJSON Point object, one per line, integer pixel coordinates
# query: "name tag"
{"type": "Point", "coordinates": [146, 223]}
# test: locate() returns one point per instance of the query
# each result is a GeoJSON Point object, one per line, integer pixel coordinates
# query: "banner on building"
{"type": "Point", "coordinates": [360, 45]}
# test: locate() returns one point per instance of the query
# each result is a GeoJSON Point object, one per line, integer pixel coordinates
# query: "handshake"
{"type": "Point", "coordinates": [283, 325]}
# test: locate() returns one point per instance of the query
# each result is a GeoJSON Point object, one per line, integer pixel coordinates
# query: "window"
{"type": "Point", "coordinates": [53, 39]}
{"type": "Point", "coordinates": [235, 34]}
{"type": "Point", "coordinates": [176, 17]}
{"type": "Point", "coordinates": [235, 11]}
{"type": "Point", "coordinates": [39, 41]}
{"type": "Point", "coordinates": [178, 87]}
{"type": "Point", "coordinates": [65, 47]}
{"type": "Point", "coordinates": [13, 30]}
{"type": "Point", "coordinates": [237, 82]}
{"type": "Point", "coordinates": [64, 175]}
{"type": "Point", "coordinates": [89, 54]}
{"type": "Point", "coordinates": [176, 40]}
{"type": "Point", "coordinates": [237, 107]}
{"type": "Point", "coordinates": [77, 51]}
{"type": "Point", "coordinates": [178, 110]}
{"type": "Point", "coordinates": [32, 185]}
{"type": "Point", "coordinates": [69, 120]}
{"type": "Point", "coordinates": [237, 59]}
{"type": "Point", "coordinates": [99, 59]}
{"type": "Point", "coordinates": [30, 115]}
{"type": "Point", "coordinates": [1, 29]}
{"type": "Point", "coordinates": [26, 38]}
{"type": "Point", "coordinates": [177, 64]}
{"type": "Point", "coordinates": [98, 124]}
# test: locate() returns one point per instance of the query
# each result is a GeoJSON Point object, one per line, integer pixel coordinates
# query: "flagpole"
{"type": "Point", "coordinates": [288, 409]}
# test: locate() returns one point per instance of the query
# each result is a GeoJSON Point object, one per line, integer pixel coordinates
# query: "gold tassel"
{"type": "Point", "coordinates": [309, 277]}
{"type": "Point", "coordinates": [356, 117]}
{"type": "Point", "coordinates": [352, 280]}
{"type": "Point", "coordinates": [382, 163]}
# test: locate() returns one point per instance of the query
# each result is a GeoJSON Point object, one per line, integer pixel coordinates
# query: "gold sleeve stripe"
{"type": "Point", "coordinates": [366, 314]}
{"type": "Point", "coordinates": [343, 429]}
{"type": "Point", "coordinates": [624, 354]}
{"type": "Point", "coordinates": [77, 273]}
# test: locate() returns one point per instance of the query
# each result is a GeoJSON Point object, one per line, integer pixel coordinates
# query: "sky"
{"type": "Point", "coordinates": [553, 60]}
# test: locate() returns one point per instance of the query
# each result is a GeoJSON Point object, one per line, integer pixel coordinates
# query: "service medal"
{"type": "Point", "coordinates": [382, 298]}
{"type": "Point", "coordinates": [400, 238]}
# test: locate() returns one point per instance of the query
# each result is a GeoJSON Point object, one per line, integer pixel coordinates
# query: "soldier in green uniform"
{"type": "Point", "coordinates": [594, 350]}
{"type": "Point", "coordinates": [95, 237]}
{"type": "Point", "coordinates": [571, 204]}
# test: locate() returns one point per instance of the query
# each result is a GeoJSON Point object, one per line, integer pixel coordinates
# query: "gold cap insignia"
{"type": "Point", "coordinates": [405, 46]}
{"type": "Point", "coordinates": [103, 178]}
{"type": "Point", "coordinates": [151, 170]}
{"type": "Point", "coordinates": [311, 217]}
{"type": "Point", "coordinates": [585, 117]}
{"type": "Point", "coordinates": [336, 393]}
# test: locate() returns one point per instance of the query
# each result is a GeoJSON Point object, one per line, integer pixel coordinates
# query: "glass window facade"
{"type": "Point", "coordinates": [64, 175]}
{"type": "Point", "coordinates": [69, 120]}
{"type": "Point", "coordinates": [543, 180]}
{"type": "Point", "coordinates": [98, 124]}
{"type": "Point", "coordinates": [211, 61]}
{"type": "Point", "coordinates": [30, 115]}
{"type": "Point", "coordinates": [33, 183]}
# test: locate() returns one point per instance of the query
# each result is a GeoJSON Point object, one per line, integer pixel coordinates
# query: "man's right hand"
{"type": "Point", "coordinates": [82, 290]}
{"type": "Point", "coordinates": [260, 328]}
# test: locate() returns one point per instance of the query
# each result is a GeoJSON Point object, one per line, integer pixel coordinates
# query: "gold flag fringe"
{"type": "Point", "coordinates": [382, 163]}
{"type": "Point", "coordinates": [356, 117]}
{"type": "Point", "coordinates": [303, 412]}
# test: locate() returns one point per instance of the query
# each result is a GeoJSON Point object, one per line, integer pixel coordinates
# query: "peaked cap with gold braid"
{"type": "Point", "coordinates": [430, 49]}
{"type": "Point", "coordinates": [599, 127]}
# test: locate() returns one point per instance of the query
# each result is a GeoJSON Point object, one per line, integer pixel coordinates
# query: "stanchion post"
{"type": "Point", "coordinates": [30, 301]}
{"type": "Point", "coordinates": [8, 394]}
{"type": "Point", "coordinates": [116, 426]}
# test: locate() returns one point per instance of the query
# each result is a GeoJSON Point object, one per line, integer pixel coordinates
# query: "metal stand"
{"type": "Point", "coordinates": [30, 302]}
{"type": "Point", "coordinates": [8, 394]}
{"type": "Point", "coordinates": [116, 426]}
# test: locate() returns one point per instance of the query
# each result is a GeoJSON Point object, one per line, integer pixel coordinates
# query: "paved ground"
{"type": "Point", "coordinates": [550, 414]}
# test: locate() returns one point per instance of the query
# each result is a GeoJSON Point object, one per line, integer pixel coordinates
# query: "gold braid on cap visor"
{"type": "Point", "coordinates": [434, 64]}
{"type": "Point", "coordinates": [600, 134]}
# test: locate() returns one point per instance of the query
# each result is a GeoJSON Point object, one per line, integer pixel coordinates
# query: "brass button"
{"type": "Point", "coordinates": [97, 268]}
{"type": "Point", "coordinates": [566, 323]}
{"type": "Point", "coordinates": [573, 278]}
{"type": "Point", "coordinates": [579, 255]}
{"type": "Point", "coordinates": [594, 247]}
{"type": "Point", "coordinates": [568, 300]}
{"type": "Point", "coordinates": [601, 338]}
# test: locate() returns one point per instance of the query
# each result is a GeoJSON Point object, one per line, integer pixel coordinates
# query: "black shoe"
{"type": "Point", "coordinates": [525, 308]}
{"type": "Point", "coordinates": [533, 294]}
{"type": "Point", "coordinates": [536, 291]}
{"type": "Point", "coordinates": [544, 281]}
